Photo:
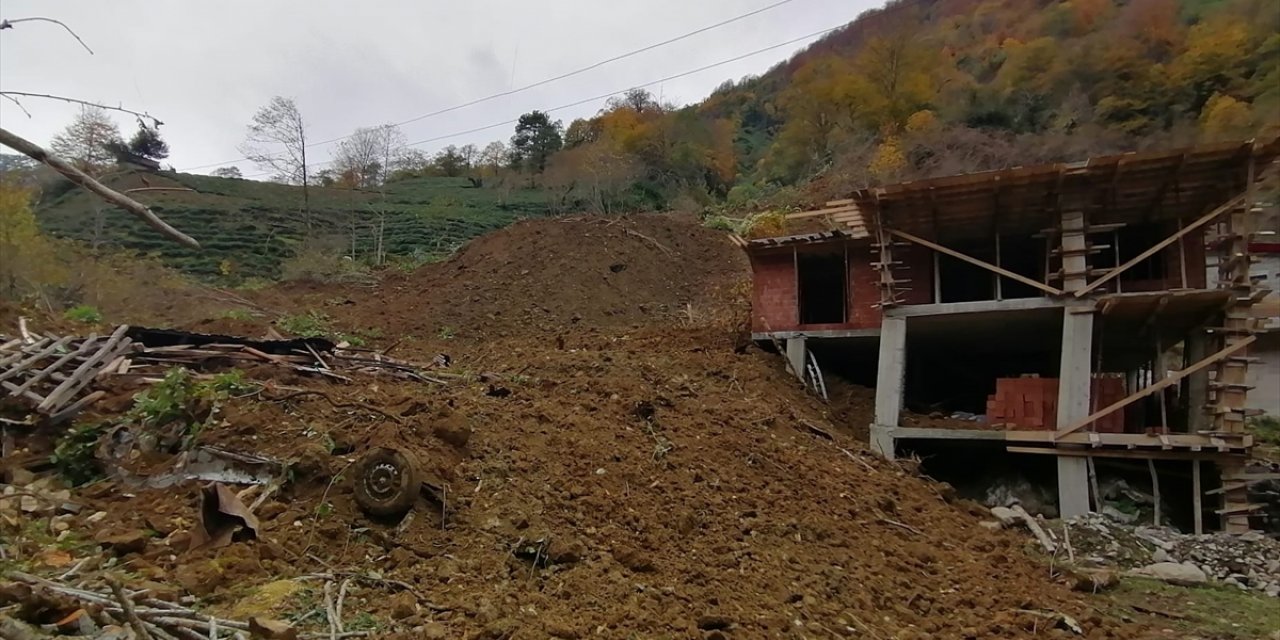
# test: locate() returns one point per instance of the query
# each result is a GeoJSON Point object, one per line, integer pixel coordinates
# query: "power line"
{"type": "Point", "coordinates": [610, 94]}
{"type": "Point", "coordinates": [546, 81]}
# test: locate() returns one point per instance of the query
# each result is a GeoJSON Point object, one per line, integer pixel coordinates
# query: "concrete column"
{"type": "Point", "coordinates": [890, 375]}
{"type": "Point", "coordinates": [1197, 383]}
{"type": "Point", "coordinates": [796, 356]}
{"type": "Point", "coordinates": [1074, 382]}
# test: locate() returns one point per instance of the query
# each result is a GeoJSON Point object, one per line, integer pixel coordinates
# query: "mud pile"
{"type": "Point", "coordinates": [546, 276]}
{"type": "Point", "coordinates": [624, 474]}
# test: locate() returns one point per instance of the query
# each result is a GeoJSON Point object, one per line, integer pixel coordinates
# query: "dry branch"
{"type": "Point", "coordinates": [8, 24]}
{"type": "Point", "coordinates": [85, 180]}
{"type": "Point", "coordinates": [48, 96]}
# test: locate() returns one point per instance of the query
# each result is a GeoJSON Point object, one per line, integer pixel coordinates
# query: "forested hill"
{"type": "Point", "coordinates": [928, 87]}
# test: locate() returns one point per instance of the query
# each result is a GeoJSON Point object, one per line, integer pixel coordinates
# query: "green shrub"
{"type": "Point", "coordinates": [720, 223]}
{"type": "Point", "coordinates": [74, 456]}
{"type": "Point", "coordinates": [1267, 429]}
{"type": "Point", "coordinates": [311, 324]}
{"type": "Point", "coordinates": [237, 314]}
{"type": "Point", "coordinates": [84, 313]}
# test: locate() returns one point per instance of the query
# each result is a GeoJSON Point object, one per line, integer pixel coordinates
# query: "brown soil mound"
{"type": "Point", "coordinates": [630, 473]}
{"type": "Point", "coordinates": [622, 488]}
{"type": "Point", "coordinates": [544, 276]}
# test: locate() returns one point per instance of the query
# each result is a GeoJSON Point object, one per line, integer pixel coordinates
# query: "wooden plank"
{"type": "Point", "coordinates": [840, 203]}
{"type": "Point", "coordinates": [36, 357]}
{"type": "Point", "coordinates": [58, 364]}
{"type": "Point", "coordinates": [820, 212]}
{"type": "Point", "coordinates": [13, 390]}
{"type": "Point", "coordinates": [974, 261]}
{"type": "Point", "coordinates": [1167, 382]}
{"type": "Point", "coordinates": [17, 355]}
{"type": "Point", "coordinates": [1125, 454]}
{"type": "Point", "coordinates": [1159, 246]}
{"type": "Point", "coordinates": [79, 378]}
{"type": "Point", "coordinates": [1197, 494]}
{"type": "Point", "coordinates": [1155, 490]}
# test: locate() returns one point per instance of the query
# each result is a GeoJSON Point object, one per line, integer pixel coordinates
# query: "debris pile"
{"type": "Point", "coordinates": [631, 474]}
{"type": "Point", "coordinates": [56, 377]}
{"type": "Point", "coordinates": [1249, 560]}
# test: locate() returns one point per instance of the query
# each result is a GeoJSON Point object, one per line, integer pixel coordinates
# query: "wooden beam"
{"type": "Point", "coordinates": [1159, 246]}
{"type": "Point", "coordinates": [1123, 454]}
{"type": "Point", "coordinates": [1155, 490]}
{"type": "Point", "coordinates": [1167, 382]}
{"type": "Point", "coordinates": [976, 262]}
{"type": "Point", "coordinates": [1196, 497]}
{"type": "Point", "coordinates": [822, 212]}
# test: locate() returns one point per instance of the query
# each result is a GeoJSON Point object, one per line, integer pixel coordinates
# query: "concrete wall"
{"type": "Point", "coordinates": [774, 295]}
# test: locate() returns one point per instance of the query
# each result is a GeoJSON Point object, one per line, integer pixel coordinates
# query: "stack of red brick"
{"type": "Point", "coordinates": [1031, 403]}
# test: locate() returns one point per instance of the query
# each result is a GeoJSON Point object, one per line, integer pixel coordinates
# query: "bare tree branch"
{"type": "Point", "coordinates": [137, 114]}
{"type": "Point", "coordinates": [84, 180]}
{"type": "Point", "coordinates": [15, 101]}
{"type": "Point", "coordinates": [8, 24]}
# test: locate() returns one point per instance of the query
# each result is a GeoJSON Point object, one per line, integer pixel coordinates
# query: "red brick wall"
{"type": "Point", "coordinates": [775, 297]}
{"type": "Point", "coordinates": [773, 304]}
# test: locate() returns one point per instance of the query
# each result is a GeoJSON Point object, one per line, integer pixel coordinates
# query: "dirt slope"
{"type": "Point", "coordinates": [540, 277]}
{"type": "Point", "coordinates": [629, 474]}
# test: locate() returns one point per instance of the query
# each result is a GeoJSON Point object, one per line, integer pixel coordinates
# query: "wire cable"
{"type": "Point", "coordinates": [503, 94]}
{"type": "Point", "coordinates": [608, 95]}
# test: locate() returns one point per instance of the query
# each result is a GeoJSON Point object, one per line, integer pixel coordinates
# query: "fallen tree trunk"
{"type": "Point", "coordinates": [83, 179]}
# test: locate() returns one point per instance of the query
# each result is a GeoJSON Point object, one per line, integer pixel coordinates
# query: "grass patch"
{"type": "Point", "coordinates": [311, 324]}
{"type": "Point", "coordinates": [83, 313]}
{"type": "Point", "coordinates": [1213, 611]}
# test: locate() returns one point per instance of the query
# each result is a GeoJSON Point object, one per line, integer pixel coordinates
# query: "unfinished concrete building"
{"type": "Point", "coordinates": [1087, 311]}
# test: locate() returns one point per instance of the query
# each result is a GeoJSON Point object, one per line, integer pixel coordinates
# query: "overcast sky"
{"type": "Point", "coordinates": [204, 68]}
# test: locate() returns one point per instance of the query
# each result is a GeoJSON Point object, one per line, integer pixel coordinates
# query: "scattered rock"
{"type": "Point", "coordinates": [1006, 516]}
{"type": "Point", "coordinates": [1160, 555]}
{"type": "Point", "coordinates": [20, 477]}
{"type": "Point", "coordinates": [1093, 580]}
{"type": "Point", "coordinates": [565, 552]}
{"type": "Point", "coordinates": [272, 629]}
{"type": "Point", "coordinates": [403, 605]}
{"type": "Point", "coordinates": [435, 631]}
{"type": "Point", "coordinates": [1184, 574]}
{"type": "Point", "coordinates": [453, 429]}
{"type": "Point", "coordinates": [711, 622]}
{"type": "Point", "coordinates": [991, 524]}
{"type": "Point", "coordinates": [132, 541]}
{"type": "Point", "coordinates": [1118, 515]}
{"type": "Point", "coordinates": [633, 560]}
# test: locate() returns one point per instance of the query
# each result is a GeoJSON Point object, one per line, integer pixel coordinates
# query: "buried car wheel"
{"type": "Point", "coordinates": [387, 482]}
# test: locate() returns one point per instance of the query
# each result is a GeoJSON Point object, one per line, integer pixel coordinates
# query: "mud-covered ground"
{"type": "Point", "coordinates": [616, 462]}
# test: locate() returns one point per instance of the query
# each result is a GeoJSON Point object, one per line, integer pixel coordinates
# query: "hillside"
{"type": "Point", "coordinates": [248, 228]}
{"type": "Point", "coordinates": [916, 89]}
{"type": "Point", "coordinates": [628, 474]}
{"type": "Point", "coordinates": [931, 87]}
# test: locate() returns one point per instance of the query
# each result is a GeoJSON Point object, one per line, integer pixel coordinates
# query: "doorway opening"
{"type": "Point", "coordinates": [824, 287]}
